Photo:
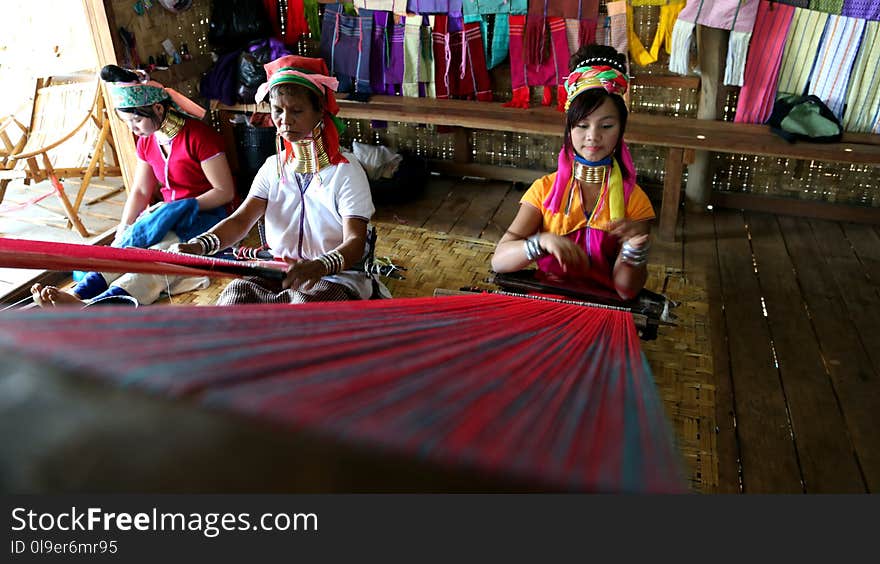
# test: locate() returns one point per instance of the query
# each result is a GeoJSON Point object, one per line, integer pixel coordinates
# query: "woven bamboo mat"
{"type": "Point", "coordinates": [680, 358]}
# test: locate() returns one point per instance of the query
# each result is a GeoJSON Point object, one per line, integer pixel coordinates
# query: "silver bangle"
{"type": "Point", "coordinates": [533, 248]}
{"type": "Point", "coordinates": [209, 242]}
{"type": "Point", "coordinates": [634, 256]}
{"type": "Point", "coordinates": [333, 261]}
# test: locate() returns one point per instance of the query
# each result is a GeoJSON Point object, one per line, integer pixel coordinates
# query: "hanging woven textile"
{"type": "Point", "coordinates": [550, 73]}
{"type": "Point", "coordinates": [669, 10]}
{"type": "Point", "coordinates": [386, 55]}
{"type": "Point", "coordinates": [459, 63]}
{"type": "Point", "coordinates": [827, 6]}
{"type": "Point", "coordinates": [804, 35]}
{"type": "Point", "coordinates": [834, 61]}
{"type": "Point", "coordinates": [865, 9]}
{"type": "Point", "coordinates": [418, 63]}
{"type": "Point", "coordinates": [738, 16]}
{"type": "Point", "coordinates": [615, 28]}
{"type": "Point", "coordinates": [445, 7]}
{"type": "Point", "coordinates": [494, 12]}
{"type": "Point", "coordinates": [863, 104]}
{"type": "Point", "coordinates": [476, 61]}
{"type": "Point", "coordinates": [274, 14]}
{"type": "Point", "coordinates": [756, 97]}
{"type": "Point", "coordinates": [505, 390]}
{"type": "Point", "coordinates": [345, 46]}
{"type": "Point", "coordinates": [296, 22]}
{"type": "Point", "coordinates": [374, 5]}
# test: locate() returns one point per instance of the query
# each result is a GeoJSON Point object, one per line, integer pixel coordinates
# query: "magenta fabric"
{"type": "Point", "coordinates": [758, 92]}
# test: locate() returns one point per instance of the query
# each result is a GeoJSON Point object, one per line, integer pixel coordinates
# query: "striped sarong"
{"type": "Point", "coordinates": [762, 65]}
{"type": "Point", "coordinates": [835, 59]}
{"type": "Point", "coordinates": [804, 36]}
{"type": "Point", "coordinates": [863, 102]}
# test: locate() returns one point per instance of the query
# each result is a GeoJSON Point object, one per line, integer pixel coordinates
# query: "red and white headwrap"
{"type": "Point", "coordinates": [311, 73]}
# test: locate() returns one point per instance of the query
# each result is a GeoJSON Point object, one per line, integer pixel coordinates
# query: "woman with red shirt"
{"type": "Point", "coordinates": [184, 159]}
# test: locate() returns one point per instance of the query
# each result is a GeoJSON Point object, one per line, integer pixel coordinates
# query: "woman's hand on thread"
{"type": "Point", "coordinates": [303, 274]}
{"type": "Point", "coordinates": [187, 248]}
{"type": "Point", "coordinates": [571, 257]}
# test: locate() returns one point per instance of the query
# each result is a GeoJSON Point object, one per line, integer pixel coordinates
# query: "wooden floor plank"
{"type": "Point", "coordinates": [819, 427]}
{"type": "Point", "coordinates": [701, 262]}
{"type": "Point", "coordinates": [487, 196]}
{"type": "Point", "coordinates": [767, 453]}
{"type": "Point", "coordinates": [866, 242]}
{"type": "Point", "coordinates": [503, 216]}
{"type": "Point", "coordinates": [861, 301]}
{"type": "Point", "coordinates": [856, 380]}
{"type": "Point", "coordinates": [446, 215]}
{"type": "Point", "coordinates": [416, 212]}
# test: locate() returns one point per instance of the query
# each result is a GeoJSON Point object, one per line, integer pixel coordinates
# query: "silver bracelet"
{"type": "Point", "coordinates": [634, 256]}
{"type": "Point", "coordinates": [533, 248]}
{"type": "Point", "coordinates": [333, 261]}
{"type": "Point", "coordinates": [209, 242]}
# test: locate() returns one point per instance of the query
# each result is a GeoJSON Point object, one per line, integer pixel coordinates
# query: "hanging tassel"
{"type": "Point", "coordinates": [561, 98]}
{"type": "Point", "coordinates": [682, 35]}
{"type": "Point", "coordinates": [520, 98]}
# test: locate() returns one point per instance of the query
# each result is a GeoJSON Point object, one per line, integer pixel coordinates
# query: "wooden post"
{"type": "Point", "coordinates": [712, 49]}
{"type": "Point", "coordinates": [102, 39]}
{"type": "Point", "coordinates": [671, 194]}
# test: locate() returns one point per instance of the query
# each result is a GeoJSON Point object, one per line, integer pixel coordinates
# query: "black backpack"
{"type": "Point", "coordinates": [806, 118]}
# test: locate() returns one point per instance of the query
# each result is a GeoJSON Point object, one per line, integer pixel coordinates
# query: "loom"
{"type": "Point", "coordinates": [649, 310]}
{"type": "Point", "coordinates": [467, 393]}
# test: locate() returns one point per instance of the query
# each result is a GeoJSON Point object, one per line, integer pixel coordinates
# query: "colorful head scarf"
{"type": "Point", "coordinates": [149, 92]}
{"type": "Point", "coordinates": [595, 72]}
{"type": "Point", "coordinates": [310, 73]}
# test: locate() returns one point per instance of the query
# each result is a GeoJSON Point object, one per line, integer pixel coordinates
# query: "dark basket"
{"type": "Point", "coordinates": [255, 145]}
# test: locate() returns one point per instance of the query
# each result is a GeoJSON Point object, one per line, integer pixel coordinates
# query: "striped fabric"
{"type": "Point", "coordinates": [418, 66]}
{"type": "Point", "coordinates": [554, 396]}
{"type": "Point", "coordinates": [736, 15]}
{"type": "Point", "coordinates": [254, 290]}
{"type": "Point", "coordinates": [345, 46]}
{"type": "Point", "coordinates": [804, 36]}
{"type": "Point", "coordinates": [834, 61]}
{"type": "Point", "coordinates": [762, 66]}
{"type": "Point", "coordinates": [863, 102]}
{"type": "Point", "coordinates": [618, 32]}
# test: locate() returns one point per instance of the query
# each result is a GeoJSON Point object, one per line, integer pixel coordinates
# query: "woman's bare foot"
{"type": "Point", "coordinates": [50, 296]}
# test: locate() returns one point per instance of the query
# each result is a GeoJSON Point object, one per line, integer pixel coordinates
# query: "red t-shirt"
{"type": "Point", "coordinates": [181, 175]}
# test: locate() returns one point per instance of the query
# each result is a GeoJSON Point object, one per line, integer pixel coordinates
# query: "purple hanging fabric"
{"type": "Point", "coordinates": [345, 46]}
{"type": "Point", "coordinates": [862, 9]}
{"type": "Point", "coordinates": [380, 52]}
{"type": "Point", "coordinates": [451, 8]}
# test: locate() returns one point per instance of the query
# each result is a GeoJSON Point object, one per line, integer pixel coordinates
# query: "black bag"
{"type": "Point", "coordinates": [806, 118]}
{"type": "Point", "coordinates": [250, 71]}
{"type": "Point", "coordinates": [236, 22]}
